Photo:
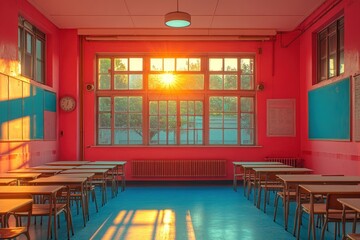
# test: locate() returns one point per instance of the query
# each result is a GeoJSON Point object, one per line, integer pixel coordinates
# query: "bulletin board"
{"type": "Point", "coordinates": [281, 118]}
{"type": "Point", "coordinates": [329, 111]}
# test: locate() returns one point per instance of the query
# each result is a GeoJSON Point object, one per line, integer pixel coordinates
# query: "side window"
{"type": "Point", "coordinates": [31, 51]}
{"type": "Point", "coordinates": [330, 51]}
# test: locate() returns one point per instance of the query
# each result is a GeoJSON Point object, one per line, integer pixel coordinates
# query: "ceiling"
{"type": "Point", "coordinates": [146, 17]}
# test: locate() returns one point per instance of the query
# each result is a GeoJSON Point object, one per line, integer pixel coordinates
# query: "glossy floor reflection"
{"type": "Point", "coordinates": [181, 212]}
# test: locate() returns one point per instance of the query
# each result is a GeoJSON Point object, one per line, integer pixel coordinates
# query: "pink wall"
{"type": "Point", "coordinates": [277, 67]}
{"type": "Point", "coordinates": [14, 154]}
{"type": "Point", "coordinates": [330, 156]}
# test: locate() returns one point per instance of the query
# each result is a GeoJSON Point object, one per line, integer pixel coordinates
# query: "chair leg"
{"type": "Point", "coordinates": [276, 202]}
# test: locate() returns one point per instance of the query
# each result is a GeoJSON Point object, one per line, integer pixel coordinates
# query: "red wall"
{"type": "Point", "coordinates": [14, 154]}
{"type": "Point", "coordinates": [330, 156]}
{"type": "Point", "coordinates": [276, 67]}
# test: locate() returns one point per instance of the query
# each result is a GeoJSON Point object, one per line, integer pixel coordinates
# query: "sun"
{"type": "Point", "coordinates": [167, 80]}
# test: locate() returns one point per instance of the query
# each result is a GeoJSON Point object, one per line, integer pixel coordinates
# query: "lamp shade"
{"type": "Point", "coordinates": [177, 19]}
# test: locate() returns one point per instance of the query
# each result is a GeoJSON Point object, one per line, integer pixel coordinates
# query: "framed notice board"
{"type": "Point", "coordinates": [329, 111]}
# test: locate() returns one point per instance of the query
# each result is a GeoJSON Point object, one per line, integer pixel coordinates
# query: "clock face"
{"type": "Point", "coordinates": [67, 103]}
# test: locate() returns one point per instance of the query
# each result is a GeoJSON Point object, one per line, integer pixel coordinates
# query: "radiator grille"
{"type": "Point", "coordinates": [292, 161]}
{"type": "Point", "coordinates": [179, 168]}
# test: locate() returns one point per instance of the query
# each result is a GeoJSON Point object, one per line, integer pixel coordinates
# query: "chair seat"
{"type": "Point", "coordinates": [6, 233]}
{"type": "Point", "coordinates": [353, 236]}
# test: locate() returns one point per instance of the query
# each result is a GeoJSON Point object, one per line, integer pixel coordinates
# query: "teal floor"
{"type": "Point", "coordinates": [182, 212]}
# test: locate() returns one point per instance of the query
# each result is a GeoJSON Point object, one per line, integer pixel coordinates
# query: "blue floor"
{"type": "Point", "coordinates": [182, 212]}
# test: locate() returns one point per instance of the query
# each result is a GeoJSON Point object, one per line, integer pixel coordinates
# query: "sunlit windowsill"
{"type": "Point", "coordinates": [175, 146]}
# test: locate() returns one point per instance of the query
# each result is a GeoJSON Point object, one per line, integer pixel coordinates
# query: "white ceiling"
{"type": "Point", "coordinates": [146, 17]}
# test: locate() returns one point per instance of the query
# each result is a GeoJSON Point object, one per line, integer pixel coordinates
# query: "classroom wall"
{"type": "Point", "coordinates": [22, 153]}
{"type": "Point", "coordinates": [330, 157]}
{"type": "Point", "coordinates": [277, 67]}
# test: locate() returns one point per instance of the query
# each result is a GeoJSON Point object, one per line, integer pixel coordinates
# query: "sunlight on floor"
{"type": "Point", "coordinates": [145, 225]}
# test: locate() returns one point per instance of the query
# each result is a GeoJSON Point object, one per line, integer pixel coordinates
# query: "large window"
{"type": "Point", "coordinates": [192, 100]}
{"type": "Point", "coordinates": [330, 51]}
{"type": "Point", "coordinates": [31, 51]}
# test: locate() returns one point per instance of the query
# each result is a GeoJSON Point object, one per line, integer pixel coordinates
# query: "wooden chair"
{"type": "Point", "coordinates": [353, 236]}
{"type": "Point", "coordinates": [271, 183]}
{"type": "Point", "coordinates": [62, 205]}
{"type": "Point", "coordinates": [7, 232]}
{"type": "Point", "coordinates": [290, 197]}
{"type": "Point", "coordinates": [334, 213]}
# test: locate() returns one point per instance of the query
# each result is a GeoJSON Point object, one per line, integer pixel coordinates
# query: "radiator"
{"type": "Point", "coordinates": [292, 161]}
{"type": "Point", "coordinates": [178, 168]}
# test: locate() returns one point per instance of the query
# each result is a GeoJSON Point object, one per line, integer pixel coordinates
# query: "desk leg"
{"type": "Point", "coordinates": [234, 181]}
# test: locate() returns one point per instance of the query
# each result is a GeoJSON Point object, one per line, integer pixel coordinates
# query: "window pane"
{"type": "Point", "coordinates": [194, 64]}
{"type": "Point", "coordinates": [231, 121]}
{"type": "Point", "coordinates": [104, 103]}
{"type": "Point", "coordinates": [121, 64]}
{"type": "Point", "coordinates": [230, 136]}
{"type": "Point", "coordinates": [169, 64]}
{"type": "Point", "coordinates": [230, 104]}
{"type": "Point", "coordinates": [216, 82]}
{"type": "Point", "coordinates": [39, 49]}
{"type": "Point", "coordinates": [156, 64]}
{"type": "Point", "coordinates": [104, 82]}
{"type": "Point", "coordinates": [180, 82]}
{"type": "Point", "coordinates": [216, 104]}
{"type": "Point", "coordinates": [182, 64]}
{"type": "Point", "coordinates": [247, 136]}
{"type": "Point", "coordinates": [121, 81]}
{"type": "Point", "coordinates": [247, 120]}
{"type": "Point", "coordinates": [121, 104]}
{"type": "Point", "coordinates": [121, 137]}
{"type": "Point", "coordinates": [216, 136]}
{"type": "Point", "coordinates": [247, 104]}
{"type": "Point", "coordinates": [136, 64]}
{"type": "Point", "coordinates": [104, 120]}
{"type": "Point", "coordinates": [247, 65]}
{"type": "Point", "coordinates": [104, 136]}
{"type": "Point", "coordinates": [121, 121]}
{"type": "Point", "coordinates": [104, 65]}
{"type": "Point", "coordinates": [231, 64]}
{"type": "Point", "coordinates": [135, 81]}
{"type": "Point", "coordinates": [216, 120]}
{"type": "Point", "coordinates": [247, 82]}
{"type": "Point", "coordinates": [29, 42]}
{"type": "Point", "coordinates": [230, 82]}
{"type": "Point", "coordinates": [215, 64]}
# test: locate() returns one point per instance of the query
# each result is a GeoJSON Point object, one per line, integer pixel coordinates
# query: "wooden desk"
{"type": "Point", "coordinates": [50, 167]}
{"type": "Point", "coordinates": [43, 172]}
{"type": "Point", "coordinates": [312, 191]}
{"type": "Point", "coordinates": [11, 205]}
{"type": "Point", "coordinates": [239, 165]}
{"type": "Point", "coordinates": [38, 190]}
{"type": "Point", "coordinates": [100, 175]}
{"type": "Point", "coordinates": [72, 183]}
{"type": "Point", "coordinates": [67, 163]}
{"type": "Point", "coordinates": [8, 181]}
{"type": "Point", "coordinates": [265, 173]}
{"type": "Point", "coordinates": [120, 170]}
{"type": "Point", "coordinates": [21, 177]}
{"type": "Point", "coordinates": [291, 181]}
{"type": "Point", "coordinates": [352, 203]}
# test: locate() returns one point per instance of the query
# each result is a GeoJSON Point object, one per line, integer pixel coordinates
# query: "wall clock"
{"type": "Point", "coordinates": [67, 103]}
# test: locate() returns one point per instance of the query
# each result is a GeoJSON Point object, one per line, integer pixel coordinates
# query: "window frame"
{"type": "Point", "coordinates": [178, 96]}
{"type": "Point", "coordinates": [334, 31]}
{"type": "Point", "coordinates": [30, 61]}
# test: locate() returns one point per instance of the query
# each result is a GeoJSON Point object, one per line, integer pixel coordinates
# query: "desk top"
{"type": "Point", "coordinates": [7, 181]}
{"type": "Point", "coordinates": [67, 163]}
{"type": "Point", "coordinates": [281, 170]}
{"type": "Point", "coordinates": [86, 171]}
{"type": "Point", "coordinates": [309, 178]}
{"type": "Point", "coordinates": [59, 180]}
{"type": "Point", "coordinates": [353, 203]}
{"type": "Point", "coordinates": [327, 188]}
{"type": "Point", "coordinates": [50, 167]}
{"type": "Point", "coordinates": [96, 167]}
{"type": "Point", "coordinates": [30, 170]}
{"type": "Point", "coordinates": [69, 175]}
{"type": "Point", "coordinates": [118, 163]}
{"type": "Point", "coordinates": [41, 190]}
{"type": "Point", "coordinates": [266, 166]}
{"type": "Point", "coordinates": [257, 163]}
{"type": "Point", "coordinates": [20, 175]}
{"type": "Point", "coordinates": [10, 205]}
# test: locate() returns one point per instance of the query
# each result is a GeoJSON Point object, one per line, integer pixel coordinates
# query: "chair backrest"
{"type": "Point", "coordinates": [333, 203]}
